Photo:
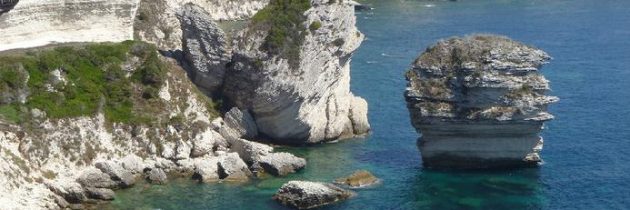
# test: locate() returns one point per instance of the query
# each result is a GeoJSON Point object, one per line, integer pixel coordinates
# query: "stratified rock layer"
{"type": "Point", "coordinates": [33, 23]}
{"type": "Point", "coordinates": [205, 47]}
{"type": "Point", "coordinates": [479, 102]}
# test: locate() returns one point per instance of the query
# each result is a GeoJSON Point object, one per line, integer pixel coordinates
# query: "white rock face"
{"type": "Point", "coordinates": [34, 23]}
{"type": "Point", "coordinates": [309, 103]}
{"type": "Point", "coordinates": [479, 102]}
{"type": "Point", "coordinates": [205, 47]}
{"type": "Point", "coordinates": [308, 195]}
{"type": "Point", "coordinates": [162, 27]}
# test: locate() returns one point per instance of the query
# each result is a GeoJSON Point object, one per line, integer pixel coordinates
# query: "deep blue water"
{"type": "Point", "coordinates": [587, 148]}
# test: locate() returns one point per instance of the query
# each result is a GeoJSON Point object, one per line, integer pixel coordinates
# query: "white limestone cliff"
{"type": "Point", "coordinates": [479, 102]}
{"type": "Point", "coordinates": [307, 100]}
{"type": "Point", "coordinates": [157, 22]}
{"type": "Point", "coordinates": [33, 23]}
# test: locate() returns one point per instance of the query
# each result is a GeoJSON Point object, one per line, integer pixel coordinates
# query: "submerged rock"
{"type": "Point", "coordinates": [479, 102]}
{"type": "Point", "coordinates": [360, 178]}
{"type": "Point", "coordinates": [308, 195]}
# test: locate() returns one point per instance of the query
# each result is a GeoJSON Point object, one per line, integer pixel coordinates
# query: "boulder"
{"type": "Point", "coordinates": [71, 191]}
{"type": "Point", "coordinates": [239, 124]}
{"type": "Point", "coordinates": [182, 151]}
{"type": "Point", "coordinates": [204, 143]}
{"type": "Point", "coordinates": [233, 168]}
{"type": "Point", "coordinates": [132, 163]}
{"type": "Point", "coordinates": [206, 169]}
{"type": "Point", "coordinates": [100, 193]}
{"type": "Point", "coordinates": [156, 176]}
{"type": "Point", "coordinates": [249, 151]}
{"type": "Point", "coordinates": [282, 163]}
{"type": "Point", "coordinates": [60, 201]}
{"type": "Point", "coordinates": [117, 173]}
{"type": "Point", "coordinates": [360, 178]}
{"type": "Point", "coordinates": [93, 177]}
{"type": "Point", "coordinates": [358, 116]}
{"type": "Point", "coordinates": [308, 195]}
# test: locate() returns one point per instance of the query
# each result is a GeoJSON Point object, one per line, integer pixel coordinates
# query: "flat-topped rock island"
{"type": "Point", "coordinates": [479, 102]}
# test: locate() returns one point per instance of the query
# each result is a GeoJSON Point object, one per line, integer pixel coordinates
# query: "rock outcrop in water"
{"type": "Point", "coordinates": [479, 101]}
{"type": "Point", "coordinates": [308, 195]}
{"type": "Point", "coordinates": [296, 83]}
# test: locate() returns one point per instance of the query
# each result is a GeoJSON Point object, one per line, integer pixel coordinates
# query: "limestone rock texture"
{"type": "Point", "coordinates": [157, 20]}
{"type": "Point", "coordinates": [308, 195]}
{"type": "Point", "coordinates": [34, 23]}
{"type": "Point", "coordinates": [479, 102]}
{"type": "Point", "coordinates": [81, 159]}
{"type": "Point", "coordinates": [307, 99]}
{"type": "Point", "coordinates": [205, 47]}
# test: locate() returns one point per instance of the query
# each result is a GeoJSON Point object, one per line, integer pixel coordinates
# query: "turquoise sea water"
{"type": "Point", "coordinates": [587, 147]}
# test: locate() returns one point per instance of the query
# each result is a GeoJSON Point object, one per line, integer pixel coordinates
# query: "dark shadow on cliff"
{"type": "Point", "coordinates": [216, 96]}
{"type": "Point", "coordinates": [7, 5]}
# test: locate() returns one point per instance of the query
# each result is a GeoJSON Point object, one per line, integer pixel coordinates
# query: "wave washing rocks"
{"type": "Point", "coordinates": [479, 102]}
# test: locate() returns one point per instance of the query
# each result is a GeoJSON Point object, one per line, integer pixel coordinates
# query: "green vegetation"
{"type": "Point", "coordinates": [10, 113]}
{"type": "Point", "coordinates": [94, 80]}
{"type": "Point", "coordinates": [339, 42]}
{"type": "Point", "coordinates": [284, 22]}
{"type": "Point", "coordinates": [315, 25]}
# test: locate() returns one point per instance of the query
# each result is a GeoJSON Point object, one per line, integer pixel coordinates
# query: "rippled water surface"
{"type": "Point", "coordinates": [587, 148]}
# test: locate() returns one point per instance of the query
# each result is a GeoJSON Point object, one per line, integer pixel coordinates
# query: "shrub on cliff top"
{"type": "Point", "coordinates": [283, 20]}
{"type": "Point", "coordinates": [94, 80]}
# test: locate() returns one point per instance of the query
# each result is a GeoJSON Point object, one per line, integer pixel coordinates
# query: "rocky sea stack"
{"type": "Point", "coordinates": [479, 102]}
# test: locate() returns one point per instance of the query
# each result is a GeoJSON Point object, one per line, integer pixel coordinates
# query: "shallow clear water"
{"type": "Point", "coordinates": [587, 148]}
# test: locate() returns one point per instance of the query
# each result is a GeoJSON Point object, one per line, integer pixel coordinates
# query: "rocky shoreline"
{"type": "Point", "coordinates": [167, 126]}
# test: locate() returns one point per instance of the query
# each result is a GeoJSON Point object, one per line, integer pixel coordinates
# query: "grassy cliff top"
{"type": "Point", "coordinates": [284, 22]}
{"type": "Point", "coordinates": [453, 53]}
{"type": "Point", "coordinates": [77, 81]}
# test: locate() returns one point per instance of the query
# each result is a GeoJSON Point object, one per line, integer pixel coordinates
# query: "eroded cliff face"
{"type": "Point", "coordinates": [300, 92]}
{"type": "Point", "coordinates": [34, 23]}
{"type": "Point", "coordinates": [55, 157]}
{"type": "Point", "coordinates": [148, 122]}
{"type": "Point", "coordinates": [479, 101]}
{"type": "Point", "coordinates": [157, 22]}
